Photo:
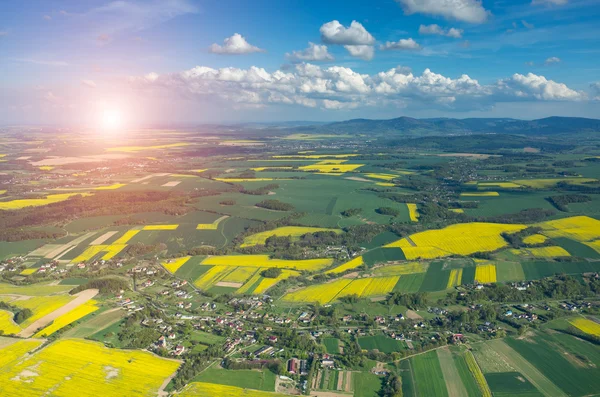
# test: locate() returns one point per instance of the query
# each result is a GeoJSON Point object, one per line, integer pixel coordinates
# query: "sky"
{"type": "Point", "coordinates": [222, 61]}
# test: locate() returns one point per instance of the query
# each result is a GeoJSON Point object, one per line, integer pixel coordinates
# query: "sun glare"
{"type": "Point", "coordinates": [111, 120]}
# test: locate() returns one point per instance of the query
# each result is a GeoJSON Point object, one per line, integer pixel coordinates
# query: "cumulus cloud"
{"type": "Point", "coordinates": [402, 44]}
{"type": "Point", "coordinates": [470, 11]}
{"type": "Point", "coordinates": [550, 2]}
{"type": "Point", "coordinates": [365, 52]}
{"type": "Point", "coordinates": [338, 87]}
{"type": "Point", "coordinates": [335, 33]}
{"type": "Point", "coordinates": [314, 52]}
{"type": "Point", "coordinates": [537, 87]}
{"type": "Point", "coordinates": [234, 45]}
{"type": "Point", "coordinates": [552, 60]}
{"type": "Point", "coordinates": [435, 29]}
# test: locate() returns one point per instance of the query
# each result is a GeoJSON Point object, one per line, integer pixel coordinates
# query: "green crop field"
{"type": "Point", "coordinates": [509, 271]}
{"type": "Point", "coordinates": [409, 388]}
{"type": "Point", "coordinates": [367, 384]}
{"type": "Point", "coordinates": [380, 255]}
{"type": "Point", "coordinates": [575, 248]}
{"type": "Point", "coordinates": [382, 343]}
{"type": "Point", "coordinates": [409, 283]}
{"type": "Point", "coordinates": [429, 378]}
{"type": "Point", "coordinates": [247, 379]}
{"type": "Point", "coordinates": [332, 345]}
{"type": "Point", "coordinates": [435, 279]}
{"type": "Point", "coordinates": [504, 384]}
{"type": "Point", "coordinates": [468, 381]}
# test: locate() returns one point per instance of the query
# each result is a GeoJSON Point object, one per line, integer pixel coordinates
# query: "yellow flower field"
{"type": "Point", "coordinates": [28, 272]}
{"type": "Point", "coordinates": [588, 326]}
{"type": "Point", "coordinates": [112, 250]}
{"type": "Point", "coordinates": [93, 250]}
{"type": "Point", "coordinates": [211, 226]}
{"type": "Point", "coordinates": [68, 318]}
{"type": "Point", "coordinates": [7, 325]}
{"type": "Point", "coordinates": [13, 353]}
{"type": "Point", "coordinates": [239, 274]}
{"type": "Point", "coordinates": [580, 228]}
{"type": "Point", "coordinates": [267, 283]}
{"type": "Point", "coordinates": [480, 194]}
{"type": "Point", "coordinates": [413, 212]}
{"type": "Point", "coordinates": [321, 293]}
{"type": "Point", "coordinates": [330, 168]}
{"type": "Point", "coordinates": [212, 276]}
{"type": "Point", "coordinates": [235, 180]}
{"type": "Point", "coordinates": [266, 261]}
{"type": "Point", "coordinates": [385, 184]}
{"type": "Point", "coordinates": [478, 375]}
{"type": "Point", "coordinates": [542, 252]}
{"type": "Point", "coordinates": [535, 239]}
{"type": "Point", "coordinates": [485, 274]}
{"type": "Point", "coordinates": [397, 270]}
{"type": "Point", "coordinates": [508, 185]}
{"type": "Point", "coordinates": [594, 245]}
{"type": "Point", "coordinates": [160, 227]}
{"type": "Point", "coordinates": [45, 168]}
{"type": "Point", "coordinates": [457, 210]}
{"type": "Point", "coordinates": [174, 264]}
{"type": "Point", "coordinates": [270, 168]}
{"type": "Point", "coordinates": [41, 306]}
{"type": "Point", "coordinates": [325, 293]}
{"type": "Point", "coordinates": [385, 177]}
{"type": "Point", "coordinates": [455, 278]}
{"type": "Point", "coordinates": [196, 389]}
{"type": "Point", "coordinates": [315, 156]}
{"type": "Point", "coordinates": [50, 199]}
{"type": "Point", "coordinates": [251, 281]}
{"type": "Point", "coordinates": [133, 149]}
{"type": "Point", "coordinates": [126, 237]}
{"type": "Point", "coordinates": [351, 264]}
{"type": "Point", "coordinates": [293, 231]}
{"type": "Point", "coordinates": [546, 183]}
{"type": "Point", "coordinates": [460, 239]}
{"type": "Point", "coordinates": [110, 187]}
{"type": "Point", "coordinates": [74, 367]}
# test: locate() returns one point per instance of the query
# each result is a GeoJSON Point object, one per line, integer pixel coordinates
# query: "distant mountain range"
{"type": "Point", "coordinates": [409, 126]}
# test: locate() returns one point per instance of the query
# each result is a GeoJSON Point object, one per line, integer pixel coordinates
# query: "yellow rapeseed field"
{"type": "Point", "coordinates": [211, 226]}
{"type": "Point", "coordinates": [266, 261]}
{"type": "Point", "coordinates": [90, 252]}
{"type": "Point", "coordinates": [385, 184]}
{"type": "Point", "coordinates": [244, 289]}
{"type": "Point", "coordinates": [546, 183]}
{"type": "Point", "coordinates": [322, 293]}
{"type": "Point", "coordinates": [480, 194]}
{"type": "Point", "coordinates": [293, 231]}
{"type": "Point", "coordinates": [160, 227]}
{"type": "Point", "coordinates": [7, 325]}
{"type": "Point", "coordinates": [542, 252]}
{"type": "Point", "coordinates": [588, 326]}
{"type": "Point", "coordinates": [460, 239]}
{"type": "Point", "coordinates": [535, 239]}
{"type": "Point", "coordinates": [239, 274]}
{"type": "Point", "coordinates": [29, 271]}
{"type": "Point", "coordinates": [351, 264]}
{"type": "Point", "coordinates": [133, 149]}
{"type": "Point", "coordinates": [112, 250]}
{"type": "Point", "coordinates": [13, 353]}
{"type": "Point", "coordinates": [46, 168]}
{"type": "Point", "coordinates": [413, 212]}
{"type": "Point", "coordinates": [74, 367]}
{"type": "Point", "coordinates": [385, 177]}
{"type": "Point", "coordinates": [315, 156]}
{"type": "Point", "coordinates": [508, 185]}
{"type": "Point", "coordinates": [457, 210]}
{"type": "Point", "coordinates": [213, 276]}
{"type": "Point", "coordinates": [235, 180]}
{"type": "Point", "coordinates": [330, 168]}
{"type": "Point", "coordinates": [110, 187]}
{"type": "Point", "coordinates": [50, 199]}
{"type": "Point", "coordinates": [397, 270]}
{"type": "Point", "coordinates": [126, 237]}
{"type": "Point", "coordinates": [455, 278]}
{"type": "Point", "coordinates": [485, 274]}
{"type": "Point", "coordinates": [594, 245]}
{"type": "Point", "coordinates": [173, 265]}
{"type": "Point", "coordinates": [41, 306]}
{"type": "Point", "coordinates": [196, 389]}
{"type": "Point", "coordinates": [68, 318]}
{"type": "Point", "coordinates": [267, 283]}
{"type": "Point", "coordinates": [270, 168]}
{"type": "Point", "coordinates": [580, 228]}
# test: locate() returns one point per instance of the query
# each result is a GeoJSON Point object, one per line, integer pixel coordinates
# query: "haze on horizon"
{"type": "Point", "coordinates": [113, 63]}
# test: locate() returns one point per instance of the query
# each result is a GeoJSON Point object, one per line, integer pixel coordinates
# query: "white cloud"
{"type": "Point", "coordinates": [365, 52]}
{"type": "Point", "coordinates": [530, 63]}
{"type": "Point", "coordinates": [435, 29]}
{"type": "Point", "coordinates": [527, 24]}
{"type": "Point", "coordinates": [234, 45]}
{"type": "Point", "coordinates": [550, 2]}
{"type": "Point", "coordinates": [89, 83]}
{"type": "Point", "coordinates": [402, 44]}
{"type": "Point", "coordinates": [47, 17]}
{"type": "Point", "coordinates": [552, 60]}
{"type": "Point", "coordinates": [537, 87]}
{"type": "Point", "coordinates": [470, 11]}
{"type": "Point", "coordinates": [335, 33]}
{"type": "Point", "coordinates": [314, 52]}
{"type": "Point", "coordinates": [338, 87]}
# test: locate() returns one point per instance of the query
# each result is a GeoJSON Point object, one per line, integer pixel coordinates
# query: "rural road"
{"type": "Point", "coordinates": [79, 300]}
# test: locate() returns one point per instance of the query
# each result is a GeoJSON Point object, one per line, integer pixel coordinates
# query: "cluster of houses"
{"type": "Point", "coordinates": [297, 366]}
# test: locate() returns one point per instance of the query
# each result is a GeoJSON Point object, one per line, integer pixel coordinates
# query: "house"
{"type": "Point", "coordinates": [179, 349]}
{"type": "Point", "coordinates": [292, 365]}
{"type": "Point", "coordinates": [272, 339]}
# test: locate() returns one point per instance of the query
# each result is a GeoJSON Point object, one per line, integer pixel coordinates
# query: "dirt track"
{"type": "Point", "coordinates": [80, 299]}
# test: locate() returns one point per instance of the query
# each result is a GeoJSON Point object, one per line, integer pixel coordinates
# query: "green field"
{"type": "Point", "coordinates": [331, 345]}
{"type": "Point", "coordinates": [504, 384]}
{"type": "Point", "coordinates": [435, 279]}
{"type": "Point", "coordinates": [575, 248]}
{"type": "Point", "coordinates": [380, 255]}
{"type": "Point", "coordinates": [382, 343]}
{"type": "Point", "coordinates": [409, 283]}
{"type": "Point", "coordinates": [468, 381]}
{"type": "Point", "coordinates": [509, 271]}
{"type": "Point", "coordinates": [366, 384]}
{"type": "Point", "coordinates": [248, 379]}
{"type": "Point", "coordinates": [429, 378]}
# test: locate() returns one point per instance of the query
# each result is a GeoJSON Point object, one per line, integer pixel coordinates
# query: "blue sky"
{"type": "Point", "coordinates": [187, 61]}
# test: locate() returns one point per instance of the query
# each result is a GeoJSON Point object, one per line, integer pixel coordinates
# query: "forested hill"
{"type": "Point", "coordinates": [447, 126]}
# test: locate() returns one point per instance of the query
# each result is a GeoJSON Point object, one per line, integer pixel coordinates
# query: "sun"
{"type": "Point", "coordinates": [111, 120]}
